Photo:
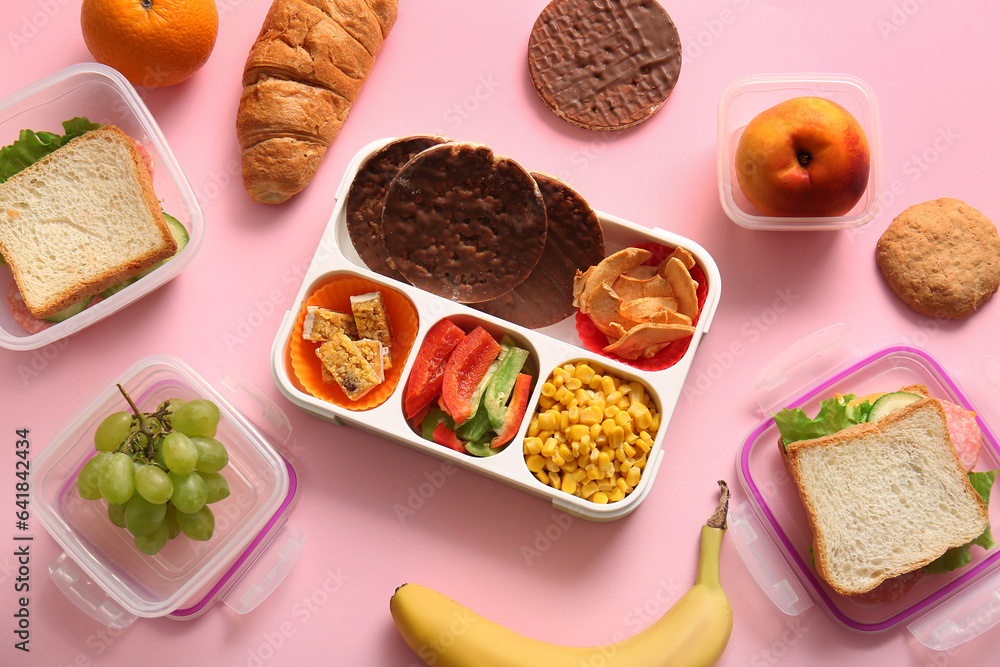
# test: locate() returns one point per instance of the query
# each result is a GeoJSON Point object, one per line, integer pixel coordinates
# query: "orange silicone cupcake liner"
{"type": "Point", "coordinates": [335, 293]}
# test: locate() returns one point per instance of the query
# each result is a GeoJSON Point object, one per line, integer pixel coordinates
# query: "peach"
{"type": "Point", "coordinates": [804, 157]}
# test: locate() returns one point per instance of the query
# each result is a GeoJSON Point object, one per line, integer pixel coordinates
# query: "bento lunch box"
{"type": "Point", "coordinates": [104, 96]}
{"type": "Point", "coordinates": [254, 544]}
{"type": "Point", "coordinates": [552, 346]}
{"type": "Point", "coordinates": [771, 530]}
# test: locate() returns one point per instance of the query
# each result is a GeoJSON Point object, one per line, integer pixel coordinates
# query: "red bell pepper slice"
{"type": "Point", "coordinates": [424, 383]}
{"type": "Point", "coordinates": [514, 414]}
{"type": "Point", "coordinates": [465, 369]}
{"type": "Point", "coordinates": [445, 436]}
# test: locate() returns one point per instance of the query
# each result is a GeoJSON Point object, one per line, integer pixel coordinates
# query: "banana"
{"type": "Point", "coordinates": [692, 633]}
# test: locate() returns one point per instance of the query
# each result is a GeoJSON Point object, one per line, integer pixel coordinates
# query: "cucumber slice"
{"type": "Point", "coordinates": [181, 238]}
{"type": "Point", "coordinates": [891, 402]}
{"type": "Point", "coordinates": [70, 311]}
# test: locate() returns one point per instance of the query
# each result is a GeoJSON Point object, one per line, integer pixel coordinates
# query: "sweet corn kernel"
{"type": "Point", "coordinates": [568, 484]}
{"type": "Point", "coordinates": [595, 431]}
{"type": "Point", "coordinates": [533, 445]}
{"type": "Point", "coordinates": [542, 476]}
{"type": "Point", "coordinates": [616, 437]}
{"type": "Point", "coordinates": [599, 498]}
{"type": "Point", "coordinates": [563, 395]}
{"type": "Point", "coordinates": [616, 495]}
{"type": "Point", "coordinates": [623, 417]}
{"type": "Point", "coordinates": [548, 420]}
{"type": "Point", "coordinates": [640, 413]}
{"type": "Point", "coordinates": [577, 431]}
{"type": "Point", "coordinates": [591, 415]}
{"type": "Point", "coordinates": [549, 448]}
{"type": "Point", "coordinates": [620, 455]}
{"type": "Point", "coordinates": [623, 485]}
{"type": "Point", "coordinates": [611, 411]}
{"type": "Point", "coordinates": [535, 463]}
{"type": "Point", "coordinates": [548, 389]}
{"type": "Point", "coordinates": [573, 383]}
{"type": "Point", "coordinates": [565, 452]}
{"type": "Point", "coordinates": [608, 385]}
{"type": "Point", "coordinates": [588, 489]}
{"type": "Point", "coordinates": [584, 372]}
{"type": "Point", "coordinates": [633, 476]}
{"type": "Point", "coordinates": [629, 450]}
{"type": "Point", "coordinates": [614, 397]}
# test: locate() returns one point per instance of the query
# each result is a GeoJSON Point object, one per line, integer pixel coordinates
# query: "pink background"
{"type": "Point", "coordinates": [458, 67]}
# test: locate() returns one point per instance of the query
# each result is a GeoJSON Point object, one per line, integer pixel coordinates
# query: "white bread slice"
{"type": "Point", "coordinates": [80, 220]}
{"type": "Point", "coordinates": [885, 498]}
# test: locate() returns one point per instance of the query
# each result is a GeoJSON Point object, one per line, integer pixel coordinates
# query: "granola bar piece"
{"type": "Point", "coordinates": [347, 366]}
{"type": "Point", "coordinates": [372, 321]}
{"type": "Point", "coordinates": [321, 324]}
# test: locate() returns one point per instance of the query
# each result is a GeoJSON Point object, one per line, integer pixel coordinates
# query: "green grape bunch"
{"type": "Point", "coordinates": [158, 471]}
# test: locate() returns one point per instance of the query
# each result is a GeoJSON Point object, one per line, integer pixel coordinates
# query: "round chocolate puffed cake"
{"type": "Point", "coordinates": [367, 194]}
{"type": "Point", "coordinates": [462, 223]}
{"type": "Point", "coordinates": [604, 64]}
{"type": "Point", "coordinates": [941, 257]}
{"type": "Point", "coordinates": [575, 240]}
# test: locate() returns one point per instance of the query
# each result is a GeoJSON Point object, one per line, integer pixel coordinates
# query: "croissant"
{"type": "Point", "coordinates": [302, 75]}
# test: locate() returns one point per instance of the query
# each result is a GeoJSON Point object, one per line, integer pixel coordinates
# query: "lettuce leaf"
{"type": "Point", "coordinates": [31, 146]}
{"type": "Point", "coordinates": [957, 557]}
{"type": "Point", "coordinates": [835, 414]}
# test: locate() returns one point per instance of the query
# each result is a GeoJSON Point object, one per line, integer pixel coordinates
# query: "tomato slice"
{"type": "Point", "coordinates": [466, 367]}
{"type": "Point", "coordinates": [427, 373]}
{"type": "Point", "coordinates": [514, 414]}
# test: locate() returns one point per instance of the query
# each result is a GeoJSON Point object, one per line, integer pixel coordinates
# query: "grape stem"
{"type": "Point", "coordinates": [144, 428]}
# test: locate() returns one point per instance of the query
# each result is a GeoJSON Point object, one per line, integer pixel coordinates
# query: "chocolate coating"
{"type": "Point", "coordinates": [604, 64]}
{"type": "Point", "coordinates": [575, 240]}
{"type": "Point", "coordinates": [367, 194]}
{"type": "Point", "coordinates": [463, 224]}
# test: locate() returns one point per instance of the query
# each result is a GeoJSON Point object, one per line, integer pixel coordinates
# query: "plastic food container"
{"type": "Point", "coordinates": [748, 96]}
{"type": "Point", "coordinates": [336, 260]}
{"type": "Point", "coordinates": [771, 530]}
{"type": "Point", "coordinates": [104, 96]}
{"type": "Point", "coordinates": [253, 547]}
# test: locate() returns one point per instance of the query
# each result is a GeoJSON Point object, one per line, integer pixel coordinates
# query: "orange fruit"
{"type": "Point", "coordinates": [152, 43]}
